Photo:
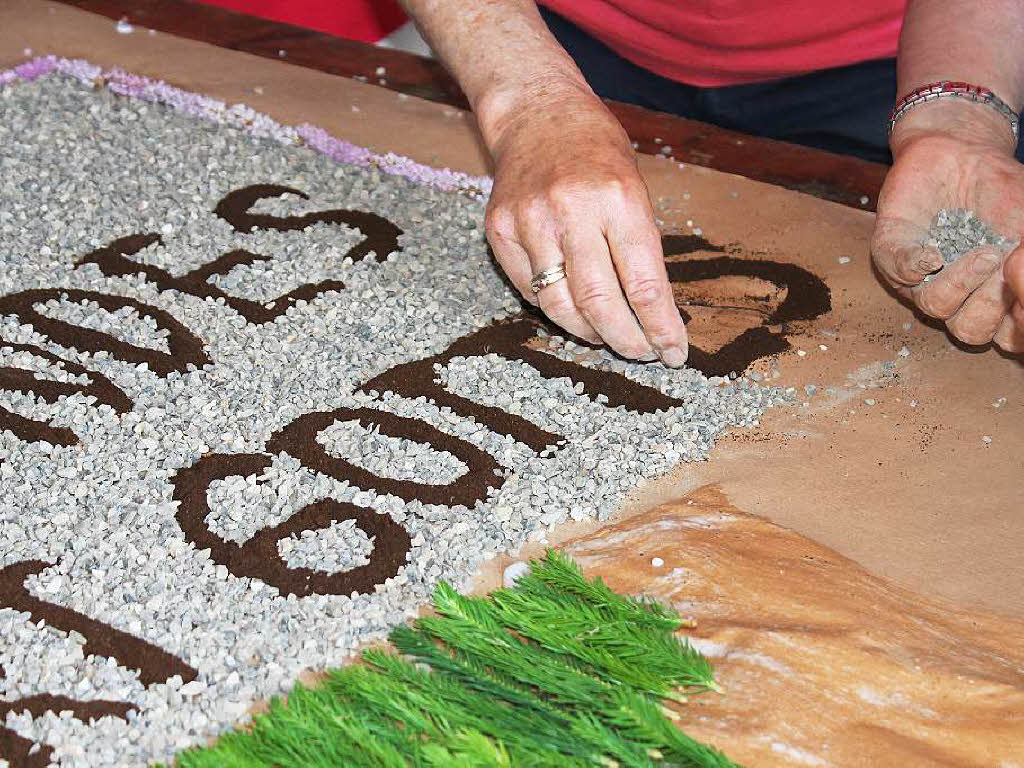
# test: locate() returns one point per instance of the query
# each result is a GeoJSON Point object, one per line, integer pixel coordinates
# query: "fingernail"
{"type": "Point", "coordinates": [650, 357]}
{"type": "Point", "coordinates": [673, 357]}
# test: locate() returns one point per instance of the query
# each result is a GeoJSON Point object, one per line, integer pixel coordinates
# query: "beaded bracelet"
{"type": "Point", "coordinates": [949, 88]}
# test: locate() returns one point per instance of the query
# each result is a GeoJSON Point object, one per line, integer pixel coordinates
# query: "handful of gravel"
{"type": "Point", "coordinates": [958, 231]}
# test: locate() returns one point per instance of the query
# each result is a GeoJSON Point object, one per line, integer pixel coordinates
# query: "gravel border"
{"type": "Point", "coordinates": [244, 117]}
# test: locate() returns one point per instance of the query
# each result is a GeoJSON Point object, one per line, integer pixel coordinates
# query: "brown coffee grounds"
{"type": "Point", "coordinates": [99, 386]}
{"type": "Point", "coordinates": [381, 235]}
{"type": "Point", "coordinates": [20, 380]}
{"type": "Point", "coordinates": [807, 297]}
{"type": "Point", "coordinates": [113, 262]}
{"type": "Point", "coordinates": [32, 431]}
{"type": "Point", "coordinates": [185, 348]}
{"type": "Point", "coordinates": [680, 245]}
{"type": "Point", "coordinates": [153, 664]}
{"type": "Point", "coordinates": [17, 751]}
{"type": "Point", "coordinates": [508, 339]}
{"type": "Point", "coordinates": [299, 440]}
{"type": "Point", "coordinates": [417, 379]}
{"type": "Point", "coordinates": [259, 557]}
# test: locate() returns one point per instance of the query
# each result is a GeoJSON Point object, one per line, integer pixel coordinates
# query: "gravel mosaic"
{"type": "Point", "coordinates": [93, 530]}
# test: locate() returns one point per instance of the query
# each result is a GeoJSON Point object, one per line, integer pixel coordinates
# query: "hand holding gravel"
{"type": "Point", "coordinates": [950, 223]}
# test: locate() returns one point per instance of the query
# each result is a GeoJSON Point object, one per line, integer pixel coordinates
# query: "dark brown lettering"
{"type": "Point", "coordinates": [185, 348]}
{"type": "Point", "coordinates": [113, 261]}
{"type": "Point", "coordinates": [21, 380]}
{"type": "Point", "coordinates": [17, 750]}
{"type": "Point", "coordinates": [807, 297]}
{"type": "Point", "coordinates": [381, 236]}
{"type": "Point", "coordinates": [299, 440]}
{"type": "Point", "coordinates": [509, 338]}
{"type": "Point", "coordinates": [259, 557]}
{"type": "Point", "coordinates": [32, 431]}
{"type": "Point", "coordinates": [153, 664]}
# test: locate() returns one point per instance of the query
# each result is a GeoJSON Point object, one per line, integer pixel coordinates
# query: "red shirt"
{"type": "Point", "coordinates": [729, 42]}
{"type": "Point", "coordinates": [366, 20]}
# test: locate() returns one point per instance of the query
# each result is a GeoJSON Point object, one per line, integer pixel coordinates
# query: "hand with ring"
{"type": "Point", "coordinates": [547, 277]}
{"type": "Point", "coordinates": [571, 224]}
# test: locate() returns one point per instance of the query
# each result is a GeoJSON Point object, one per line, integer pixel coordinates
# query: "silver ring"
{"type": "Point", "coordinates": [547, 277]}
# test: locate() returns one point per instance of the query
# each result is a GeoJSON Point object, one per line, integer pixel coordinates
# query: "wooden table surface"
{"type": "Point", "coordinates": [843, 179]}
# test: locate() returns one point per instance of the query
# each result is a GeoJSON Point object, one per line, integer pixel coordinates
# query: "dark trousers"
{"type": "Point", "coordinates": [843, 110]}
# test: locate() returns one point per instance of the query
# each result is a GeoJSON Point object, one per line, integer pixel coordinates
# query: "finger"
{"type": "Point", "coordinates": [898, 252]}
{"type": "Point", "coordinates": [635, 247]}
{"type": "Point", "coordinates": [1010, 334]}
{"type": "Point", "coordinates": [596, 291]}
{"type": "Point", "coordinates": [511, 256]}
{"type": "Point", "coordinates": [977, 321]}
{"type": "Point", "coordinates": [943, 295]}
{"type": "Point", "coordinates": [555, 300]}
{"type": "Point", "coordinates": [1013, 271]}
{"type": "Point", "coordinates": [557, 303]}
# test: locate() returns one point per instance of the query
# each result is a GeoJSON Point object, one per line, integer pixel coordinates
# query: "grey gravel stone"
{"type": "Point", "coordinates": [80, 167]}
{"type": "Point", "coordinates": [958, 231]}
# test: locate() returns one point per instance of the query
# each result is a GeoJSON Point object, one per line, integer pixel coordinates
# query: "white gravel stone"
{"type": "Point", "coordinates": [514, 573]}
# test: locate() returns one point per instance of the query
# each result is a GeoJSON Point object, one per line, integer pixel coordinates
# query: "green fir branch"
{"type": "Point", "coordinates": [555, 672]}
{"type": "Point", "coordinates": [559, 573]}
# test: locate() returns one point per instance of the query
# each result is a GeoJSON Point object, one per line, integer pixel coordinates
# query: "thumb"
{"type": "Point", "coordinates": [899, 251]}
{"type": "Point", "coordinates": [1013, 271]}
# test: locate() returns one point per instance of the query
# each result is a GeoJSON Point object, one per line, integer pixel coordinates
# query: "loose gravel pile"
{"type": "Point", "coordinates": [80, 167]}
{"type": "Point", "coordinates": [959, 231]}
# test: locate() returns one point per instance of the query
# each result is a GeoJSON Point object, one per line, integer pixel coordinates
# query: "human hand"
{"type": "Point", "coordinates": [955, 155]}
{"type": "Point", "coordinates": [567, 190]}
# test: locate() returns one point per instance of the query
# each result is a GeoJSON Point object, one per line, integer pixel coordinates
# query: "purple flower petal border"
{"type": "Point", "coordinates": [244, 117]}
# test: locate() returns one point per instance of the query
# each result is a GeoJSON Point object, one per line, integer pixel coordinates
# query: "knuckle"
{"type": "Point", "coordinates": [532, 209]}
{"type": "Point", "coordinates": [627, 194]}
{"type": "Point", "coordinates": [499, 223]}
{"type": "Point", "coordinates": [937, 302]}
{"type": "Point", "coordinates": [594, 295]}
{"type": "Point", "coordinates": [617, 190]}
{"type": "Point", "coordinates": [646, 293]}
{"type": "Point", "coordinates": [566, 194]}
